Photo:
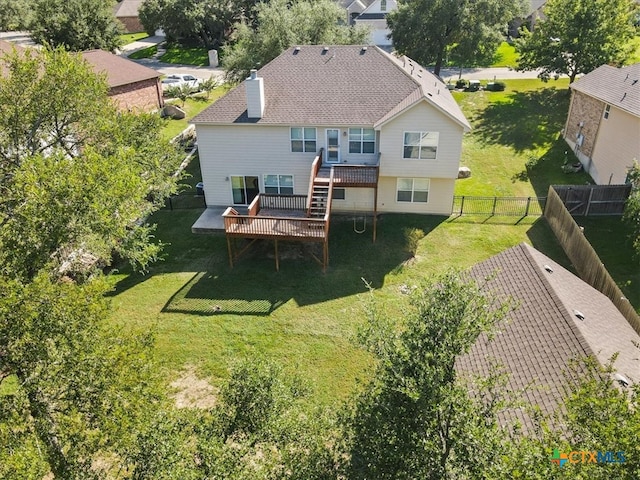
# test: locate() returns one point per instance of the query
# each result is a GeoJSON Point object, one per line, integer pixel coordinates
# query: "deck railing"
{"type": "Point", "coordinates": [275, 227]}
{"type": "Point", "coordinates": [355, 175]}
{"type": "Point", "coordinates": [315, 168]}
{"type": "Point", "coordinates": [283, 202]}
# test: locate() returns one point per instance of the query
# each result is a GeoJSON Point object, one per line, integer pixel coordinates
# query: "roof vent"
{"type": "Point", "coordinates": [579, 314]}
{"type": "Point", "coordinates": [548, 268]}
{"type": "Point", "coordinates": [363, 50]}
{"type": "Point", "coordinates": [325, 50]}
{"type": "Point", "coordinates": [296, 50]}
{"type": "Point", "coordinates": [634, 82]}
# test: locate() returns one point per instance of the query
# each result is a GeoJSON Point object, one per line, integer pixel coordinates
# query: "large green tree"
{"type": "Point", "coordinates": [281, 24]}
{"type": "Point", "coordinates": [15, 14]}
{"type": "Point", "coordinates": [194, 22]}
{"type": "Point", "coordinates": [632, 206]}
{"type": "Point", "coordinates": [468, 30]}
{"type": "Point", "coordinates": [577, 36]}
{"type": "Point", "coordinates": [77, 180]}
{"type": "Point", "coordinates": [76, 24]}
{"type": "Point", "coordinates": [416, 418]}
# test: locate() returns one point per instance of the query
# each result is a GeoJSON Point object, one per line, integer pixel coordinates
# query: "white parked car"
{"type": "Point", "coordinates": [177, 80]}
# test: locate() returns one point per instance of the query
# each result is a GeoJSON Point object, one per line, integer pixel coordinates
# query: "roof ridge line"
{"type": "Point", "coordinates": [524, 246]}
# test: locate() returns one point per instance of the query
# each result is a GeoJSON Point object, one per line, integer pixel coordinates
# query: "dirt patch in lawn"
{"type": "Point", "coordinates": [192, 391]}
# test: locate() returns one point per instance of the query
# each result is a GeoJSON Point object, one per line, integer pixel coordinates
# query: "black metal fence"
{"type": "Point", "coordinates": [185, 201]}
{"type": "Point", "coordinates": [498, 206]}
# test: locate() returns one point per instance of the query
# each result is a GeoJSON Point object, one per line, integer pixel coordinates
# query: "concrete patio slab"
{"type": "Point", "coordinates": [210, 221]}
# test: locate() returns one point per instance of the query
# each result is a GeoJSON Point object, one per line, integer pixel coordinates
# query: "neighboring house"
{"type": "Point", "coordinates": [603, 124]}
{"type": "Point", "coordinates": [126, 11]}
{"type": "Point", "coordinates": [131, 86]}
{"type": "Point", "coordinates": [354, 8]}
{"type": "Point", "coordinates": [359, 104]}
{"type": "Point", "coordinates": [375, 17]}
{"type": "Point", "coordinates": [557, 318]}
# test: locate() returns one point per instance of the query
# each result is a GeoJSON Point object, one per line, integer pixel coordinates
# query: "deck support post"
{"type": "Point", "coordinates": [277, 259]}
{"type": "Point", "coordinates": [230, 249]}
{"type": "Point", "coordinates": [325, 254]}
{"type": "Point", "coordinates": [375, 213]}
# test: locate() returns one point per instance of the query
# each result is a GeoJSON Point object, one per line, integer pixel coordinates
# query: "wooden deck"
{"type": "Point", "coordinates": [296, 217]}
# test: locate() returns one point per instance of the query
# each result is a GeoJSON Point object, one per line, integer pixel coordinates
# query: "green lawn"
{"type": "Point", "coordinates": [186, 55]}
{"type": "Point", "coordinates": [505, 56]}
{"type": "Point", "coordinates": [514, 147]}
{"type": "Point", "coordinates": [144, 53]}
{"type": "Point", "coordinates": [192, 107]}
{"type": "Point", "coordinates": [128, 38]}
{"type": "Point", "coordinates": [206, 314]}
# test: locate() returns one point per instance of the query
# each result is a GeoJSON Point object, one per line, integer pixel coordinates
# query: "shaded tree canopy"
{"type": "Point", "coordinates": [632, 207]}
{"type": "Point", "coordinates": [281, 24]}
{"type": "Point", "coordinates": [468, 30]}
{"type": "Point", "coordinates": [577, 36]}
{"type": "Point", "coordinates": [193, 22]}
{"type": "Point", "coordinates": [76, 25]}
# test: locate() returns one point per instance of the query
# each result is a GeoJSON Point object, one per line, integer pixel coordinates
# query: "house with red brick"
{"type": "Point", "coordinates": [126, 11]}
{"type": "Point", "coordinates": [131, 86]}
{"type": "Point", "coordinates": [603, 123]}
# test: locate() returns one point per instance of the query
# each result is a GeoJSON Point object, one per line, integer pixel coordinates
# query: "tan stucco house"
{"type": "Point", "coordinates": [603, 124]}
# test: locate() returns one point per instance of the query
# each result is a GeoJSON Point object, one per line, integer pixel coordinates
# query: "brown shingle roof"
{"type": "Point", "coordinates": [619, 87]}
{"type": "Point", "coordinates": [119, 71]}
{"type": "Point", "coordinates": [543, 334]}
{"type": "Point", "coordinates": [343, 85]}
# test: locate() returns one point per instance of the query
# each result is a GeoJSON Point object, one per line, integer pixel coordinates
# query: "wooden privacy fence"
{"type": "Point", "coordinates": [584, 257]}
{"type": "Point", "coordinates": [507, 206]}
{"type": "Point", "coordinates": [594, 199]}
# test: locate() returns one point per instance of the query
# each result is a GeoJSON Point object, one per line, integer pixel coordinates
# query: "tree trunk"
{"type": "Point", "coordinates": [439, 61]}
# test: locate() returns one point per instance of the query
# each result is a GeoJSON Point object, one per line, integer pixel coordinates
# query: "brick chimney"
{"type": "Point", "coordinates": [254, 87]}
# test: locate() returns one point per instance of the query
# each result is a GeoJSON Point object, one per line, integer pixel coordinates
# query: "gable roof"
{"type": "Point", "coordinates": [336, 85]}
{"type": "Point", "coordinates": [543, 334]}
{"type": "Point", "coordinates": [119, 71]}
{"type": "Point", "coordinates": [619, 87]}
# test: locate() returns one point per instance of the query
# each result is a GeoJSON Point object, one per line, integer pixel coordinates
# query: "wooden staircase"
{"type": "Point", "coordinates": [320, 198]}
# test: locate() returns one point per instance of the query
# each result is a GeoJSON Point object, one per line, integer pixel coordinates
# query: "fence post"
{"type": "Point", "coordinates": [586, 212]}
{"type": "Point", "coordinates": [461, 206]}
{"type": "Point", "coordinates": [495, 200]}
{"type": "Point", "coordinates": [526, 211]}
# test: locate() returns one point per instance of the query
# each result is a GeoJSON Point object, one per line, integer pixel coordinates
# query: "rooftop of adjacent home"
{"type": "Point", "coordinates": [619, 87]}
{"type": "Point", "coordinates": [336, 85]}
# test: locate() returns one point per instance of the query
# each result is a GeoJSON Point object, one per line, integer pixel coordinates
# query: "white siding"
{"type": "Point", "coordinates": [375, 7]}
{"type": "Point", "coordinates": [421, 118]}
{"type": "Point", "coordinates": [248, 150]}
{"type": "Point", "coordinates": [440, 197]}
{"type": "Point", "coordinates": [617, 145]}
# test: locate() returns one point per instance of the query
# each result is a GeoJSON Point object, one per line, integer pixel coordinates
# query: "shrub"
{"type": "Point", "coordinates": [461, 83]}
{"type": "Point", "coordinates": [412, 238]}
{"type": "Point", "coordinates": [496, 86]}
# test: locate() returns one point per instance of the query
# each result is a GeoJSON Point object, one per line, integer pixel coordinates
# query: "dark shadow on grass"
{"type": "Point", "coordinates": [254, 287]}
{"type": "Point", "coordinates": [524, 120]}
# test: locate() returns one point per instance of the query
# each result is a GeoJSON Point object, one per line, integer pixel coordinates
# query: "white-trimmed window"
{"type": "Point", "coordinates": [362, 140]}
{"type": "Point", "coordinates": [278, 184]}
{"type": "Point", "coordinates": [303, 139]}
{"type": "Point", "coordinates": [420, 145]}
{"type": "Point", "coordinates": [607, 110]}
{"type": "Point", "coordinates": [414, 190]}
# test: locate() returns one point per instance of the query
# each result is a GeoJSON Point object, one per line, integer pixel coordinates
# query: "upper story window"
{"type": "Point", "coordinates": [278, 184]}
{"type": "Point", "coordinates": [362, 140]}
{"type": "Point", "coordinates": [607, 109]}
{"type": "Point", "coordinates": [383, 5]}
{"type": "Point", "coordinates": [303, 139]}
{"type": "Point", "coordinates": [421, 145]}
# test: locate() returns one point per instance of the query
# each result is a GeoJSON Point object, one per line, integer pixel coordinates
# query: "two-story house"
{"type": "Point", "coordinates": [371, 119]}
{"type": "Point", "coordinates": [375, 17]}
{"type": "Point", "coordinates": [603, 124]}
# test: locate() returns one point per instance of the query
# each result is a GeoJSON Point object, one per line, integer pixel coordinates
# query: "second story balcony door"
{"type": "Point", "coordinates": [333, 145]}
